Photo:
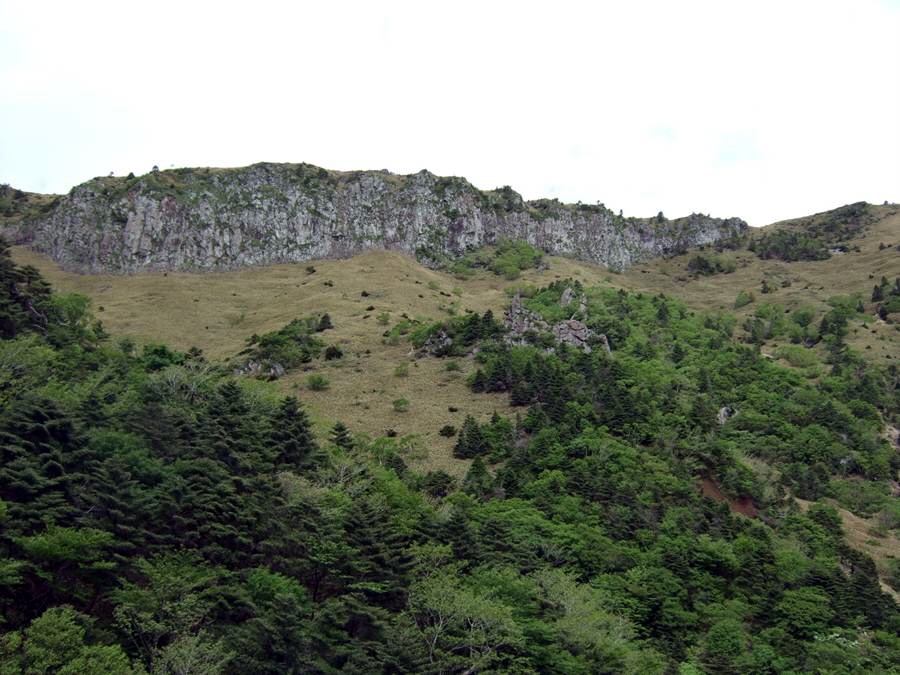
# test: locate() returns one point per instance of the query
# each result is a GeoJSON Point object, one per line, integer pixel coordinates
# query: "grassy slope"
{"type": "Point", "coordinates": [217, 311]}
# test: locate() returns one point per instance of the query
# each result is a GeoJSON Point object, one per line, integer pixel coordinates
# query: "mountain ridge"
{"type": "Point", "coordinates": [265, 213]}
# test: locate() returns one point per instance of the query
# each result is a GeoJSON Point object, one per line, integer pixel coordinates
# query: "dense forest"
{"type": "Point", "coordinates": [160, 515]}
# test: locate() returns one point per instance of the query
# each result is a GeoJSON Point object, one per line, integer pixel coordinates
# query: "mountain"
{"type": "Point", "coordinates": [437, 477]}
{"type": "Point", "coordinates": [201, 219]}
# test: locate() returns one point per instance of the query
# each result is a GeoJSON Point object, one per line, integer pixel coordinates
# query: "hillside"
{"type": "Point", "coordinates": [203, 219]}
{"type": "Point", "coordinates": [217, 311]}
{"type": "Point", "coordinates": [716, 492]}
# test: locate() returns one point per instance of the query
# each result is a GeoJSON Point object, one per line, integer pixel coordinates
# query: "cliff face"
{"type": "Point", "coordinates": [200, 219]}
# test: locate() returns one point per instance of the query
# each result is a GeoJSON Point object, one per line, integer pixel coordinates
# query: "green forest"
{"type": "Point", "coordinates": [160, 515]}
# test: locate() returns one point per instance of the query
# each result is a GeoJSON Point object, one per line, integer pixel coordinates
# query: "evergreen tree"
{"type": "Point", "coordinates": [341, 437]}
{"type": "Point", "coordinates": [479, 382]}
{"type": "Point", "coordinates": [470, 442]}
{"type": "Point", "coordinates": [291, 441]}
{"type": "Point", "coordinates": [478, 481]}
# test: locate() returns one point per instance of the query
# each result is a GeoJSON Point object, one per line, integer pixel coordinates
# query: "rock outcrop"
{"type": "Point", "coordinates": [520, 321]}
{"type": "Point", "coordinates": [201, 219]}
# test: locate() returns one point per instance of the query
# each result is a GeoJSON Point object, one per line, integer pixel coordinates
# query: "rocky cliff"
{"type": "Point", "coordinates": [200, 219]}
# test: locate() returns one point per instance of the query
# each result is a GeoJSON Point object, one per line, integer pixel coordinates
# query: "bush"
{"type": "Point", "coordinates": [317, 383]}
{"type": "Point", "coordinates": [799, 357]}
{"type": "Point", "coordinates": [401, 370]}
{"type": "Point", "coordinates": [384, 318]}
{"type": "Point", "coordinates": [401, 405]}
{"type": "Point", "coordinates": [289, 346]}
{"type": "Point", "coordinates": [710, 265]}
{"type": "Point", "coordinates": [743, 299]}
{"type": "Point", "coordinates": [447, 431]}
{"type": "Point", "coordinates": [333, 352]}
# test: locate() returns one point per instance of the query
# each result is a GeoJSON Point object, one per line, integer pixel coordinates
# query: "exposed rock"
{"type": "Point", "coordinates": [605, 343]}
{"type": "Point", "coordinates": [725, 414]}
{"type": "Point", "coordinates": [438, 344]}
{"type": "Point", "coordinates": [574, 333]}
{"type": "Point", "coordinates": [199, 219]}
{"type": "Point", "coordinates": [261, 370]}
{"type": "Point", "coordinates": [567, 296]}
{"type": "Point", "coordinates": [520, 320]}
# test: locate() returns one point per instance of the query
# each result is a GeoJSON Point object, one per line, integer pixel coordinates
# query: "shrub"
{"type": "Point", "coordinates": [453, 367]}
{"type": "Point", "coordinates": [743, 299]}
{"type": "Point", "coordinates": [709, 265]}
{"type": "Point", "coordinates": [333, 352]}
{"type": "Point", "coordinates": [447, 431]}
{"type": "Point", "coordinates": [401, 370]}
{"type": "Point", "coordinates": [384, 318]}
{"type": "Point", "coordinates": [289, 346]}
{"type": "Point", "coordinates": [317, 383]}
{"type": "Point", "coordinates": [799, 357]}
{"type": "Point", "coordinates": [401, 405]}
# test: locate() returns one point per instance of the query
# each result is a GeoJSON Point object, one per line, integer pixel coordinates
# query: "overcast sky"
{"type": "Point", "coordinates": [763, 110]}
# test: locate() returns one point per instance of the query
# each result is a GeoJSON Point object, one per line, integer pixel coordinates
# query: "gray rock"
{"type": "Point", "coordinates": [201, 219]}
{"type": "Point", "coordinates": [725, 414]}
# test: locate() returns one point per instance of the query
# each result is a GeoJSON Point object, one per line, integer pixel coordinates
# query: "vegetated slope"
{"type": "Point", "coordinates": [195, 219]}
{"type": "Point", "coordinates": [218, 311]}
{"type": "Point", "coordinates": [156, 511]}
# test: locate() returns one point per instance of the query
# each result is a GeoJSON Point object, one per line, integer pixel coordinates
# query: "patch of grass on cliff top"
{"type": "Point", "coordinates": [17, 204]}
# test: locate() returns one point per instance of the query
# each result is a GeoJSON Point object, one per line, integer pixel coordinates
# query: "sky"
{"type": "Point", "coordinates": [762, 110]}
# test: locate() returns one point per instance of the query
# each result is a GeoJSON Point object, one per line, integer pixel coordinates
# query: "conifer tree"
{"type": "Point", "coordinates": [341, 437]}
{"type": "Point", "coordinates": [290, 438]}
{"type": "Point", "coordinates": [478, 381]}
{"type": "Point", "coordinates": [461, 537]}
{"type": "Point", "coordinates": [470, 441]}
{"type": "Point", "coordinates": [478, 481]}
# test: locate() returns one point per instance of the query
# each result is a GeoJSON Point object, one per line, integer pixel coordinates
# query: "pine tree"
{"type": "Point", "coordinates": [877, 294]}
{"type": "Point", "coordinates": [470, 441]}
{"type": "Point", "coordinates": [478, 381]}
{"type": "Point", "coordinates": [379, 557]}
{"type": "Point", "coordinates": [478, 481]}
{"type": "Point", "coordinates": [461, 537]}
{"type": "Point", "coordinates": [290, 437]}
{"type": "Point", "coordinates": [341, 437]}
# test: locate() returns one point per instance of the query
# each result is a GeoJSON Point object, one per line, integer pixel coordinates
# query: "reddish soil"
{"type": "Point", "coordinates": [744, 505]}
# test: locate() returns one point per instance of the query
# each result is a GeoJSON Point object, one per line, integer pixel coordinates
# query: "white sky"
{"type": "Point", "coordinates": [763, 110]}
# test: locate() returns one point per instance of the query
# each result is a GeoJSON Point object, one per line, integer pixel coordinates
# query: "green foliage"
{"type": "Point", "coordinates": [789, 245]}
{"type": "Point", "coordinates": [317, 382]}
{"type": "Point", "coordinates": [289, 347]}
{"type": "Point", "coordinates": [799, 357]}
{"type": "Point", "coordinates": [709, 265]}
{"type": "Point", "coordinates": [743, 299]}
{"type": "Point", "coordinates": [157, 516]}
{"type": "Point", "coordinates": [507, 259]}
